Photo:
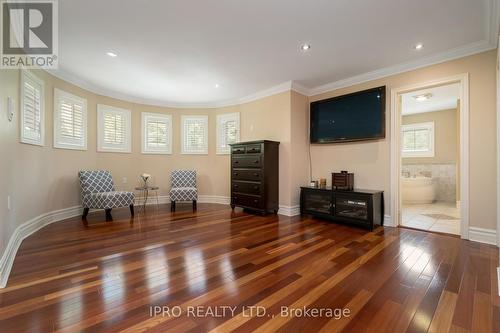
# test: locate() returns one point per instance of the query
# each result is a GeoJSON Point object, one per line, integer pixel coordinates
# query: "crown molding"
{"type": "Point", "coordinates": [489, 42]}
{"type": "Point", "coordinates": [453, 54]}
{"type": "Point", "coordinates": [73, 79]}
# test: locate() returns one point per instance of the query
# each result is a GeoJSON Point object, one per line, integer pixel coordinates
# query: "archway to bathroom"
{"type": "Point", "coordinates": [430, 159]}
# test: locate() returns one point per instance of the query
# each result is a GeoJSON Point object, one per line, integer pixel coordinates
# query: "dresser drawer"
{"type": "Point", "coordinates": [253, 149]}
{"type": "Point", "coordinates": [247, 161]}
{"type": "Point", "coordinates": [252, 175]}
{"type": "Point", "coordinates": [247, 187]}
{"type": "Point", "coordinates": [238, 149]}
{"type": "Point", "coordinates": [251, 201]}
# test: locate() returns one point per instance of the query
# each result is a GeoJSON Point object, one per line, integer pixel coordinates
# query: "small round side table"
{"type": "Point", "coordinates": [144, 194]}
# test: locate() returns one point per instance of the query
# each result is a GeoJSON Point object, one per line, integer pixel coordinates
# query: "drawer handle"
{"type": "Point", "coordinates": [256, 201]}
{"type": "Point", "coordinates": [236, 186]}
{"type": "Point", "coordinates": [236, 174]}
{"type": "Point", "coordinates": [236, 162]}
{"type": "Point", "coordinates": [256, 187]}
{"type": "Point", "coordinates": [256, 161]}
{"type": "Point", "coordinates": [256, 174]}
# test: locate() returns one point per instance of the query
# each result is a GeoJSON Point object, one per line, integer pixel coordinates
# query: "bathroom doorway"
{"type": "Point", "coordinates": [430, 156]}
{"type": "Point", "coordinates": [429, 153]}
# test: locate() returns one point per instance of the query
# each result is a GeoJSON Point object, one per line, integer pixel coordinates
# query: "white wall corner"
{"type": "Point", "coordinates": [297, 87]}
{"type": "Point", "coordinates": [289, 210]}
{"type": "Point", "coordinates": [481, 235]}
{"type": "Point", "coordinates": [388, 222]}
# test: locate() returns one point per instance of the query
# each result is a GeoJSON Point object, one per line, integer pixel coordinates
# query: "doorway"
{"type": "Point", "coordinates": [429, 178]}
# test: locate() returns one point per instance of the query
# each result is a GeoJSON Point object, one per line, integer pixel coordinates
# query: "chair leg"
{"type": "Point", "coordinates": [194, 205]}
{"type": "Point", "coordinates": [85, 213]}
{"type": "Point", "coordinates": [108, 215]}
{"type": "Point", "coordinates": [132, 210]}
{"type": "Point", "coordinates": [172, 206]}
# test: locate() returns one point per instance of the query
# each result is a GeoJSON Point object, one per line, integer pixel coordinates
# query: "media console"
{"type": "Point", "coordinates": [359, 207]}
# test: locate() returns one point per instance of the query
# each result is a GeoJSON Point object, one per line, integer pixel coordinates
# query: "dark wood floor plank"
{"type": "Point", "coordinates": [105, 277]}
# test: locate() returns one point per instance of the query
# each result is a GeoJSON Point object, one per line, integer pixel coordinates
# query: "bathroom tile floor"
{"type": "Point", "coordinates": [438, 216]}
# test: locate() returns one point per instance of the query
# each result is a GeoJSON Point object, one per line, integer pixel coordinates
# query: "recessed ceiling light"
{"type": "Point", "coordinates": [423, 97]}
{"type": "Point", "coordinates": [112, 54]}
{"type": "Point", "coordinates": [419, 46]}
{"type": "Point", "coordinates": [216, 85]}
{"type": "Point", "coordinates": [305, 47]}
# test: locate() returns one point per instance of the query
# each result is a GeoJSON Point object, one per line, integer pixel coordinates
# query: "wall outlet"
{"type": "Point", "coordinates": [8, 202]}
{"type": "Point", "coordinates": [124, 180]}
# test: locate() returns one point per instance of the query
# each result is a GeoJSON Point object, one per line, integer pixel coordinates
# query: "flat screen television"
{"type": "Point", "coordinates": [353, 117]}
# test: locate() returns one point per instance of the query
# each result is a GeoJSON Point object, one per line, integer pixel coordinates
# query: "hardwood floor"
{"type": "Point", "coordinates": [112, 276]}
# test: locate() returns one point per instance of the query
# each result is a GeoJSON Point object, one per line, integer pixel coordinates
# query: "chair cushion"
{"type": "Point", "coordinates": [96, 181]}
{"type": "Point", "coordinates": [183, 178]}
{"type": "Point", "coordinates": [108, 200]}
{"type": "Point", "coordinates": [183, 194]}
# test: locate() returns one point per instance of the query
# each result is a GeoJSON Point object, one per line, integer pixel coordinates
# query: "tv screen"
{"type": "Point", "coordinates": [353, 117]}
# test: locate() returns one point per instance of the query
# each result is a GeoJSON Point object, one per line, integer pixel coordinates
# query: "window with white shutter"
{"type": "Point", "coordinates": [418, 140]}
{"type": "Point", "coordinates": [228, 131]}
{"type": "Point", "coordinates": [113, 129]}
{"type": "Point", "coordinates": [194, 134]}
{"type": "Point", "coordinates": [156, 133]}
{"type": "Point", "coordinates": [70, 121]}
{"type": "Point", "coordinates": [32, 109]}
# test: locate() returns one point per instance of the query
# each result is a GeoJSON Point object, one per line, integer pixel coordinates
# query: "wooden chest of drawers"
{"type": "Point", "coordinates": [255, 176]}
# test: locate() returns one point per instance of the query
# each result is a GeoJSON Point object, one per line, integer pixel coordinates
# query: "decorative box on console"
{"type": "Point", "coordinates": [343, 181]}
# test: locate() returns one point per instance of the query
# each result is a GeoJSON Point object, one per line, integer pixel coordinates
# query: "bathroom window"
{"type": "Point", "coordinates": [418, 140]}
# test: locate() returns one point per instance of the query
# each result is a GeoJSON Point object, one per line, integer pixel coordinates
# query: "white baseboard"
{"type": "Point", "coordinates": [388, 222]}
{"type": "Point", "coordinates": [488, 236]}
{"type": "Point", "coordinates": [25, 230]}
{"type": "Point", "coordinates": [164, 199]}
{"type": "Point", "coordinates": [289, 210]}
{"type": "Point", "coordinates": [498, 277]}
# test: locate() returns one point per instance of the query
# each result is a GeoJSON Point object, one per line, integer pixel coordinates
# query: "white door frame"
{"type": "Point", "coordinates": [463, 81]}
{"type": "Point", "coordinates": [498, 152]}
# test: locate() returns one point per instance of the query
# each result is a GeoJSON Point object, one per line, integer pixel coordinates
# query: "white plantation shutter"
{"type": "Point", "coordinates": [194, 134]}
{"type": "Point", "coordinates": [32, 109]}
{"type": "Point", "coordinates": [156, 133]}
{"type": "Point", "coordinates": [70, 121]}
{"type": "Point", "coordinates": [114, 129]}
{"type": "Point", "coordinates": [417, 140]}
{"type": "Point", "coordinates": [228, 131]}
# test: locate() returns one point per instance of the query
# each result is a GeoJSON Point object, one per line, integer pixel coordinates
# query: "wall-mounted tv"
{"type": "Point", "coordinates": [353, 117]}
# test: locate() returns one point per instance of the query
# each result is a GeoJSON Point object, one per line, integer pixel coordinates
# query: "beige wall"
{"type": "Point", "coordinates": [445, 136]}
{"type": "Point", "coordinates": [44, 179]}
{"type": "Point", "coordinates": [370, 161]}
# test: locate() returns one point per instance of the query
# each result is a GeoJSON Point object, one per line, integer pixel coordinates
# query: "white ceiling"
{"type": "Point", "coordinates": [173, 52]}
{"type": "Point", "coordinates": [443, 98]}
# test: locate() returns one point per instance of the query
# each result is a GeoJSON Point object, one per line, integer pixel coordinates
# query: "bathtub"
{"type": "Point", "coordinates": [417, 190]}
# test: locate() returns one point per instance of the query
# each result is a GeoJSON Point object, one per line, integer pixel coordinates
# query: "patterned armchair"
{"type": "Point", "coordinates": [98, 191]}
{"type": "Point", "coordinates": [183, 187]}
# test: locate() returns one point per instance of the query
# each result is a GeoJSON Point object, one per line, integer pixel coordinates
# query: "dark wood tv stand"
{"type": "Point", "coordinates": [359, 207]}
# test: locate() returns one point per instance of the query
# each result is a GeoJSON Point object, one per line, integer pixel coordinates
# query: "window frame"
{"type": "Point", "coordinates": [59, 141]}
{"type": "Point", "coordinates": [145, 116]}
{"type": "Point", "coordinates": [27, 76]}
{"type": "Point", "coordinates": [221, 118]}
{"type": "Point", "coordinates": [126, 148]}
{"type": "Point", "coordinates": [419, 126]}
{"type": "Point", "coordinates": [184, 150]}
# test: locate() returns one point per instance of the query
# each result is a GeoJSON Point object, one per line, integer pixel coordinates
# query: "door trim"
{"type": "Point", "coordinates": [463, 81]}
